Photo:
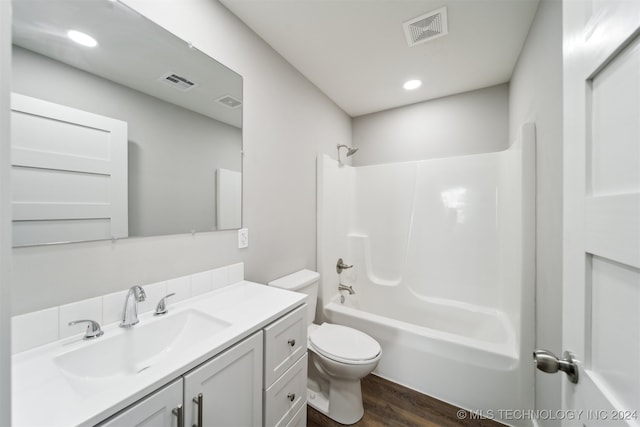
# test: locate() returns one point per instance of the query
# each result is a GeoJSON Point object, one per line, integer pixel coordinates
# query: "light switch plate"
{"type": "Point", "coordinates": [243, 238]}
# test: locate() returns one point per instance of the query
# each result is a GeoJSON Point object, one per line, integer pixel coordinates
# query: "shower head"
{"type": "Point", "coordinates": [350, 151]}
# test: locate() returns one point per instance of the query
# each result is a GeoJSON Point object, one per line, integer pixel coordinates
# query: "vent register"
{"type": "Point", "coordinates": [426, 27]}
{"type": "Point", "coordinates": [178, 82]}
{"type": "Point", "coordinates": [183, 84]}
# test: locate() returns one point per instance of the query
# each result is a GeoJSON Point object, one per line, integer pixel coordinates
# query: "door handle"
{"type": "Point", "coordinates": [547, 362]}
{"type": "Point", "coordinates": [178, 412]}
{"type": "Point", "coordinates": [199, 401]}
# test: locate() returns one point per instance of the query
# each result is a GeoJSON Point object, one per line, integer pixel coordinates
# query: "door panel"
{"type": "Point", "coordinates": [69, 174]}
{"type": "Point", "coordinates": [231, 387]}
{"type": "Point", "coordinates": [615, 329]}
{"type": "Point", "coordinates": [601, 282]}
{"type": "Point", "coordinates": [153, 411]}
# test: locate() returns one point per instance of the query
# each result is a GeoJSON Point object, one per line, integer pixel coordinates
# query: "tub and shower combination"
{"type": "Point", "coordinates": [443, 256]}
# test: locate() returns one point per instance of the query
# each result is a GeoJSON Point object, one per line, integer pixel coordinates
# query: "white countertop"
{"type": "Point", "coordinates": [44, 395]}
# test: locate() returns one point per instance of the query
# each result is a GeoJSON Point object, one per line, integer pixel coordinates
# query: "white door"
{"type": "Point", "coordinates": [601, 283]}
{"type": "Point", "coordinates": [161, 409]}
{"type": "Point", "coordinates": [68, 175]}
{"type": "Point", "coordinates": [227, 391]}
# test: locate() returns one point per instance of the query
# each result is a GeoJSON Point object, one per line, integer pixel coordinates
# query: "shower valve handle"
{"type": "Point", "coordinates": [340, 265]}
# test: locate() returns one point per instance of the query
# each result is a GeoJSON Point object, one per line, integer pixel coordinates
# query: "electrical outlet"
{"type": "Point", "coordinates": [243, 238]}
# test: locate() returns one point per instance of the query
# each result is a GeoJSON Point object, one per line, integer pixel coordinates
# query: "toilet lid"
{"type": "Point", "coordinates": [342, 342]}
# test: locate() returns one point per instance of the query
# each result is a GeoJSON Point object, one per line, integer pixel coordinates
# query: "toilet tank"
{"type": "Point", "coordinates": [303, 281]}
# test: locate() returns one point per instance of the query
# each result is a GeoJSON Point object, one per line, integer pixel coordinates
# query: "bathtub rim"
{"type": "Point", "coordinates": [508, 350]}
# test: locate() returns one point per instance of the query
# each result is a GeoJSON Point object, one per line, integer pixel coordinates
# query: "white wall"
{"type": "Point", "coordinates": [467, 123]}
{"type": "Point", "coordinates": [536, 95]}
{"type": "Point", "coordinates": [173, 152]}
{"type": "Point", "coordinates": [5, 216]}
{"type": "Point", "coordinates": [287, 121]}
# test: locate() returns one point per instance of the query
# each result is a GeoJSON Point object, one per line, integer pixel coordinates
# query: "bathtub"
{"type": "Point", "coordinates": [458, 353]}
{"type": "Point", "coordinates": [442, 254]}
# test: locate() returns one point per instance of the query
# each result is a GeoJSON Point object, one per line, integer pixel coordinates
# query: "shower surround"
{"type": "Point", "coordinates": [443, 255]}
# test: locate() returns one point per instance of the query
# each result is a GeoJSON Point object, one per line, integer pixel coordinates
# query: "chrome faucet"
{"type": "Point", "coordinates": [349, 288]}
{"type": "Point", "coordinates": [130, 312]}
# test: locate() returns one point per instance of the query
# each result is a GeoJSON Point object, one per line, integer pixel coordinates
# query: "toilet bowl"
{"type": "Point", "coordinates": [342, 356]}
{"type": "Point", "coordinates": [339, 357]}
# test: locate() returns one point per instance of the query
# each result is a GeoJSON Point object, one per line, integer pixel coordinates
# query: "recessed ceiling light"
{"type": "Point", "coordinates": [82, 38]}
{"type": "Point", "coordinates": [412, 84]}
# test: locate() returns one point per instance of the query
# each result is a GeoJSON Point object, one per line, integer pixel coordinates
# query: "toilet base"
{"type": "Point", "coordinates": [342, 402]}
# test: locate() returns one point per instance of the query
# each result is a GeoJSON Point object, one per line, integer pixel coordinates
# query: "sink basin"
{"type": "Point", "coordinates": [134, 350]}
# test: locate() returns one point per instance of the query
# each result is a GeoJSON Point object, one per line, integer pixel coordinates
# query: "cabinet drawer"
{"type": "Point", "coordinates": [285, 341]}
{"type": "Point", "coordinates": [300, 418]}
{"type": "Point", "coordinates": [286, 396]}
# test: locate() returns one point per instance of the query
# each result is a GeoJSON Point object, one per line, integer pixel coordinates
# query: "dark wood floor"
{"type": "Point", "coordinates": [387, 404]}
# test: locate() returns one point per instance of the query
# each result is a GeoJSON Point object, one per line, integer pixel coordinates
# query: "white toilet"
{"type": "Point", "coordinates": [339, 357]}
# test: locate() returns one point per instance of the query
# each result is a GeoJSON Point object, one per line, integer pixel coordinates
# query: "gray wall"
{"type": "Point", "coordinates": [5, 215]}
{"type": "Point", "coordinates": [173, 152]}
{"type": "Point", "coordinates": [467, 123]}
{"type": "Point", "coordinates": [287, 120]}
{"type": "Point", "coordinates": [536, 95]}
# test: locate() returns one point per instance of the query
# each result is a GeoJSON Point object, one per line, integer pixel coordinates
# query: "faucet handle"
{"type": "Point", "coordinates": [340, 265]}
{"type": "Point", "coordinates": [93, 329]}
{"type": "Point", "coordinates": [161, 308]}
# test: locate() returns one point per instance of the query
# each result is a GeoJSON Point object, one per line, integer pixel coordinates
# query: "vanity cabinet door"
{"type": "Point", "coordinates": [155, 410]}
{"type": "Point", "coordinates": [231, 387]}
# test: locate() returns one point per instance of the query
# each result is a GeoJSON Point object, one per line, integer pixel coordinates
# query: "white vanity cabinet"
{"type": "Point", "coordinates": [217, 345]}
{"type": "Point", "coordinates": [156, 410]}
{"type": "Point", "coordinates": [285, 370]}
{"type": "Point", "coordinates": [225, 391]}
{"type": "Point", "coordinates": [230, 388]}
{"type": "Point", "coordinates": [260, 381]}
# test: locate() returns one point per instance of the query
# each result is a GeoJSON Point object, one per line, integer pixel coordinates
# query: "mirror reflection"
{"type": "Point", "coordinates": [119, 128]}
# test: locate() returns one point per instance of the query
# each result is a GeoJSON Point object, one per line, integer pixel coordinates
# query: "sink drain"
{"type": "Point", "coordinates": [143, 369]}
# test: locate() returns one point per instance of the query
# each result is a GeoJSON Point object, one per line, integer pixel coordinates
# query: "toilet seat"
{"type": "Point", "coordinates": [343, 344]}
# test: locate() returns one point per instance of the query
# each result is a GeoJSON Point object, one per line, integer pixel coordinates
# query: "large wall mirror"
{"type": "Point", "coordinates": [119, 128]}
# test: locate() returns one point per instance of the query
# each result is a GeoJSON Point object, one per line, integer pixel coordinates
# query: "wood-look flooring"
{"type": "Point", "coordinates": [387, 404]}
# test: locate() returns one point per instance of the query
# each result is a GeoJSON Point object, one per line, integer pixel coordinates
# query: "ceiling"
{"type": "Point", "coordinates": [355, 51]}
{"type": "Point", "coordinates": [132, 51]}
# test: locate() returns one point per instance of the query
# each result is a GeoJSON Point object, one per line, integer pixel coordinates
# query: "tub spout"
{"type": "Point", "coordinates": [349, 289]}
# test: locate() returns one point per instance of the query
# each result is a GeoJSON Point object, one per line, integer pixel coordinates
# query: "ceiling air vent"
{"type": "Point", "coordinates": [229, 101]}
{"type": "Point", "coordinates": [179, 82]}
{"type": "Point", "coordinates": [426, 27]}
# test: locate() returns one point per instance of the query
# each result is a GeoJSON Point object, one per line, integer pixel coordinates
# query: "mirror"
{"type": "Point", "coordinates": [139, 135]}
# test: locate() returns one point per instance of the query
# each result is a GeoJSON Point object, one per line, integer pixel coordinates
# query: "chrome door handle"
{"type": "Point", "coordinates": [547, 362]}
{"type": "Point", "coordinates": [198, 401]}
{"type": "Point", "coordinates": [178, 412]}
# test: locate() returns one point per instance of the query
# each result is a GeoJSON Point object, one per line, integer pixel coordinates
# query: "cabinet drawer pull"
{"type": "Point", "coordinates": [198, 401]}
{"type": "Point", "coordinates": [291, 342]}
{"type": "Point", "coordinates": [291, 396]}
{"type": "Point", "coordinates": [178, 412]}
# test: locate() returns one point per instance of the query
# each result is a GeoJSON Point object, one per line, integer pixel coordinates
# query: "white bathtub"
{"type": "Point", "coordinates": [443, 269]}
{"type": "Point", "coordinates": [457, 353]}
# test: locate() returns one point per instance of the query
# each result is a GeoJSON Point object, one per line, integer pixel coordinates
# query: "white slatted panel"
{"type": "Point", "coordinates": [69, 174]}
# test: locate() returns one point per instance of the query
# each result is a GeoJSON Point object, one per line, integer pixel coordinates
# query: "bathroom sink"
{"type": "Point", "coordinates": [131, 351]}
